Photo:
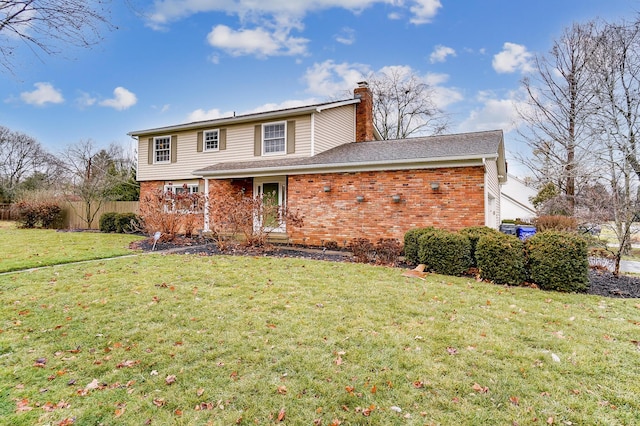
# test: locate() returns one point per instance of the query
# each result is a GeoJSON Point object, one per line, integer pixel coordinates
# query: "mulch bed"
{"type": "Point", "coordinates": [602, 283]}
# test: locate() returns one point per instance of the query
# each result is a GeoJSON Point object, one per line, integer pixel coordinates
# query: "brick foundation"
{"type": "Point", "coordinates": [337, 215]}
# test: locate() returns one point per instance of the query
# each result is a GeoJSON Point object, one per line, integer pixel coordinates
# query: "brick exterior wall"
{"type": "Point", "coordinates": [337, 216]}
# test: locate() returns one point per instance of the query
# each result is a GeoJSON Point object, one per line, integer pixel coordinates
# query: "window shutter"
{"type": "Point", "coordinates": [174, 148]}
{"type": "Point", "coordinates": [199, 143]}
{"type": "Point", "coordinates": [291, 137]}
{"type": "Point", "coordinates": [150, 153]}
{"type": "Point", "coordinates": [222, 139]}
{"type": "Point", "coordinates": [257, 141]}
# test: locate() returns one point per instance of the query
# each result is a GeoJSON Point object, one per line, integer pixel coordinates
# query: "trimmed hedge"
{"type": "Point", "coordinates": [411, 246]}
{"type": "Point", "coordinates": [107, 222]}
{"type": "Point", "coordinates": [501, 258]}
{"type": "Point", "coordinates": [445, 252]}
{"type": "Point", "coordinates": [474, 233]}
{"type": "Point", "coordinates": [127, 223]}
{"type": "Point", "coordinates": [119, 222]}
{"type": "Point", "coordinates": [558, 261]}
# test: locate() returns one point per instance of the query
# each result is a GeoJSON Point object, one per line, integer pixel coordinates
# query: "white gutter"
{"type": "Point", "coordinates": [347, 167]}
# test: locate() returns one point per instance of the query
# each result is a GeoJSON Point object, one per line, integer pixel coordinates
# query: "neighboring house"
{"type": "Point", "coordinates": [327, 163]}
{"type": "Point", "coordinates": [515, 200]}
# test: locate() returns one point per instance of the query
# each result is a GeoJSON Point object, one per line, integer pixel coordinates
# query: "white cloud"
{"type": "Point", "coordinates": [163, 12]}
{"type": "Point", "coordinates": [440, 54]}
{"type": "Point", "coordinates": [443, 96]}
{"type": "Point", "coordinates": [347, 36]}
{"type": "Point", "coordinates": [122, 99]}
{"type": "Point", "coordinates": [513, 57]}
{"type": "Point", "coordinates": [85, 100]}
{"type": "Point", "coordinates": [45, 93]}
{"type": "Point", "coordinates": [493, 114]}
{"type": "Point", "coordinates": [203, 115]}
{"type": "Point", "coordinates": [330, 79]}
{"type": "Point", "coordinates": [424, 11]}
{"type": "Point", "coordinates": [259, 41]}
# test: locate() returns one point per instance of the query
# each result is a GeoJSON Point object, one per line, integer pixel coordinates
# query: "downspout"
{"type": "Point", "coordinates": [206, 204]}
{"type": "Point", "coordinates": [486, 193]}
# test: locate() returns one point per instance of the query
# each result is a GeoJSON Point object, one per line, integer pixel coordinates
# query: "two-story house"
{"type": "Point", "coordinates": [327, 163]}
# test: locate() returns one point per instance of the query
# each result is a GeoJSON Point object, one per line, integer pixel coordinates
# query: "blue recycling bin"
{"type": "Point", "coordinates": [525, 231]}
{"type": "Point", "coordinates": [508, 228]}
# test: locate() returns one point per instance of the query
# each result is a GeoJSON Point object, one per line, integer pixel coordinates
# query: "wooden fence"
{"type": "Point", "coordinates": [5, 212]}
{"type": "Point", "coordinates": [75, 213]}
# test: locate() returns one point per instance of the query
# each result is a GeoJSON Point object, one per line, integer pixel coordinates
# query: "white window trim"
{"type": "Point", "coordinates": [284, 150]}
{"type": "Point", "coordinates": [204, 140]}
{"type": "Point", "coordinates": [172, 188]}
{"type": "Point", "coordinates": [258, 184]}
{"type": "Point", "coordinates": [155, 150]}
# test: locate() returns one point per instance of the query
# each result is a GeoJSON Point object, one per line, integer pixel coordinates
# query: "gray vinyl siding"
{"type": "Point", "coordinates": [239, 147]}
{"type": "Point", "coordinates": [334, 127]}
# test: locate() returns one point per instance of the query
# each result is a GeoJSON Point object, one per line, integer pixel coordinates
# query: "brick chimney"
{"type": "Point", "coordinates": [364, 113]}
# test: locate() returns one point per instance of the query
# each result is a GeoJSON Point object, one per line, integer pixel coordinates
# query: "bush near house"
{"type": "Point", "coordinates": [500, 258]}
{"type": "Point", "coordinates": [107, 222]}
{"type": "Point", "coordinates": [121, 223]}
{"type": "Point", "coordinates": [445, 252]}
{"type": "Point", "coordinates": [558, 261]}
{"type": "Point", "coordinates": [411, 245]}
{"type": "Point", "coordinates": [556, 223]}
{"type": "Point", "coordinates": [474, 233]}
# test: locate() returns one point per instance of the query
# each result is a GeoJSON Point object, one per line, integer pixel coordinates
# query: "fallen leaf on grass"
{"type": "Point", "coordinates": [452, 351]}
{"type": "Point", "coordinates": [92, 385]}
{"type": "Point", "coordinates": [23, 405]}
{"type": "Point", "coordinates": [200, 392]}
{"type": "Point", "coordinates": [128, 364]}
{"type": "Point", "coordinates": [514, 400]}
{"type": "Point", "coordinates": [40, 363]}
{"type": "Point", "coordinates": [281, 415]}
{"type": "Point", "coordinates": [480, 389]}
{"type": "Point", "coordinates": [159, 402]}
{"type": "Point", "coordinates": [171, 379]}
{"type": "Point", "coordinates": [282, 390]}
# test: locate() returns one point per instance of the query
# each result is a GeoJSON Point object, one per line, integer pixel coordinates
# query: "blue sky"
{"type": "Point", "coordinates": [176, 61]}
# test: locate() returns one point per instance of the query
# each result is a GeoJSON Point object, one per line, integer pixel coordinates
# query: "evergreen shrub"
{"type": "Point", "coordinates": [445, 252]}
{"type": "Point", "coordinates": [501, 258]}
{"type": "Point", "coordinates": [558, 261]}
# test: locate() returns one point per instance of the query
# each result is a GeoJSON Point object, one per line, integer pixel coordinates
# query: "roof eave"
{"type": "Point", "coordinates": [261, 116]}
{"type": "Point", "coordinates": [346, 167]}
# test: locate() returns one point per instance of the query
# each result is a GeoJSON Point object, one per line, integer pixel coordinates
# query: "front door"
{"type": "Point", "coordinates": [272, 192]}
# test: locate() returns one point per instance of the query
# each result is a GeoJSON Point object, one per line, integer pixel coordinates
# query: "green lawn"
{"type": "Point", "coordinates": [192, 340]}
{"type": "Point", "coordinates": [31, 248]}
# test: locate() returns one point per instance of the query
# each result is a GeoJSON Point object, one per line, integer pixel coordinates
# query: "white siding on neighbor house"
{"type": "Point", "coordinates": [492, 189]}
{"type": "Point", "coordinates": [334, 127]}
{"type": "Point", "coordinates": [515, 200]}
{"type": "Point", "coordinates": [239, 147]}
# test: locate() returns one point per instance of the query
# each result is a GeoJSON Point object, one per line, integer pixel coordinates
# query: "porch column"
{"type": "Point", "coordinates": [206, 205]}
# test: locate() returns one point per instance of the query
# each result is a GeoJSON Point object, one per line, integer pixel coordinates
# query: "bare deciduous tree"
{"type": "Point", "coordinates": [21, 156]}
{"type": "Point", "coordinates": [559, 105]}
{"type": "Point", "coordinates": [88, 174]}
{"type": "Point", "coordinates": [48, 25]}
{"type": "Point", "coordinates": [404, 106]}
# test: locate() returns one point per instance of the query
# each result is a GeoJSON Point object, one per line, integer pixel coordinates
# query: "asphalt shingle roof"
{"type": "Point", "coordinates": [422, 149]}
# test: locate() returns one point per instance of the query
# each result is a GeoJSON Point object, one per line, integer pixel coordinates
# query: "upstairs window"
{"type": "Point", "coordinates": [162, 149]}
{"type": "Point", "coordinates": [211, 140]}
{"type": "Point", "coordinates": [273, 138]}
